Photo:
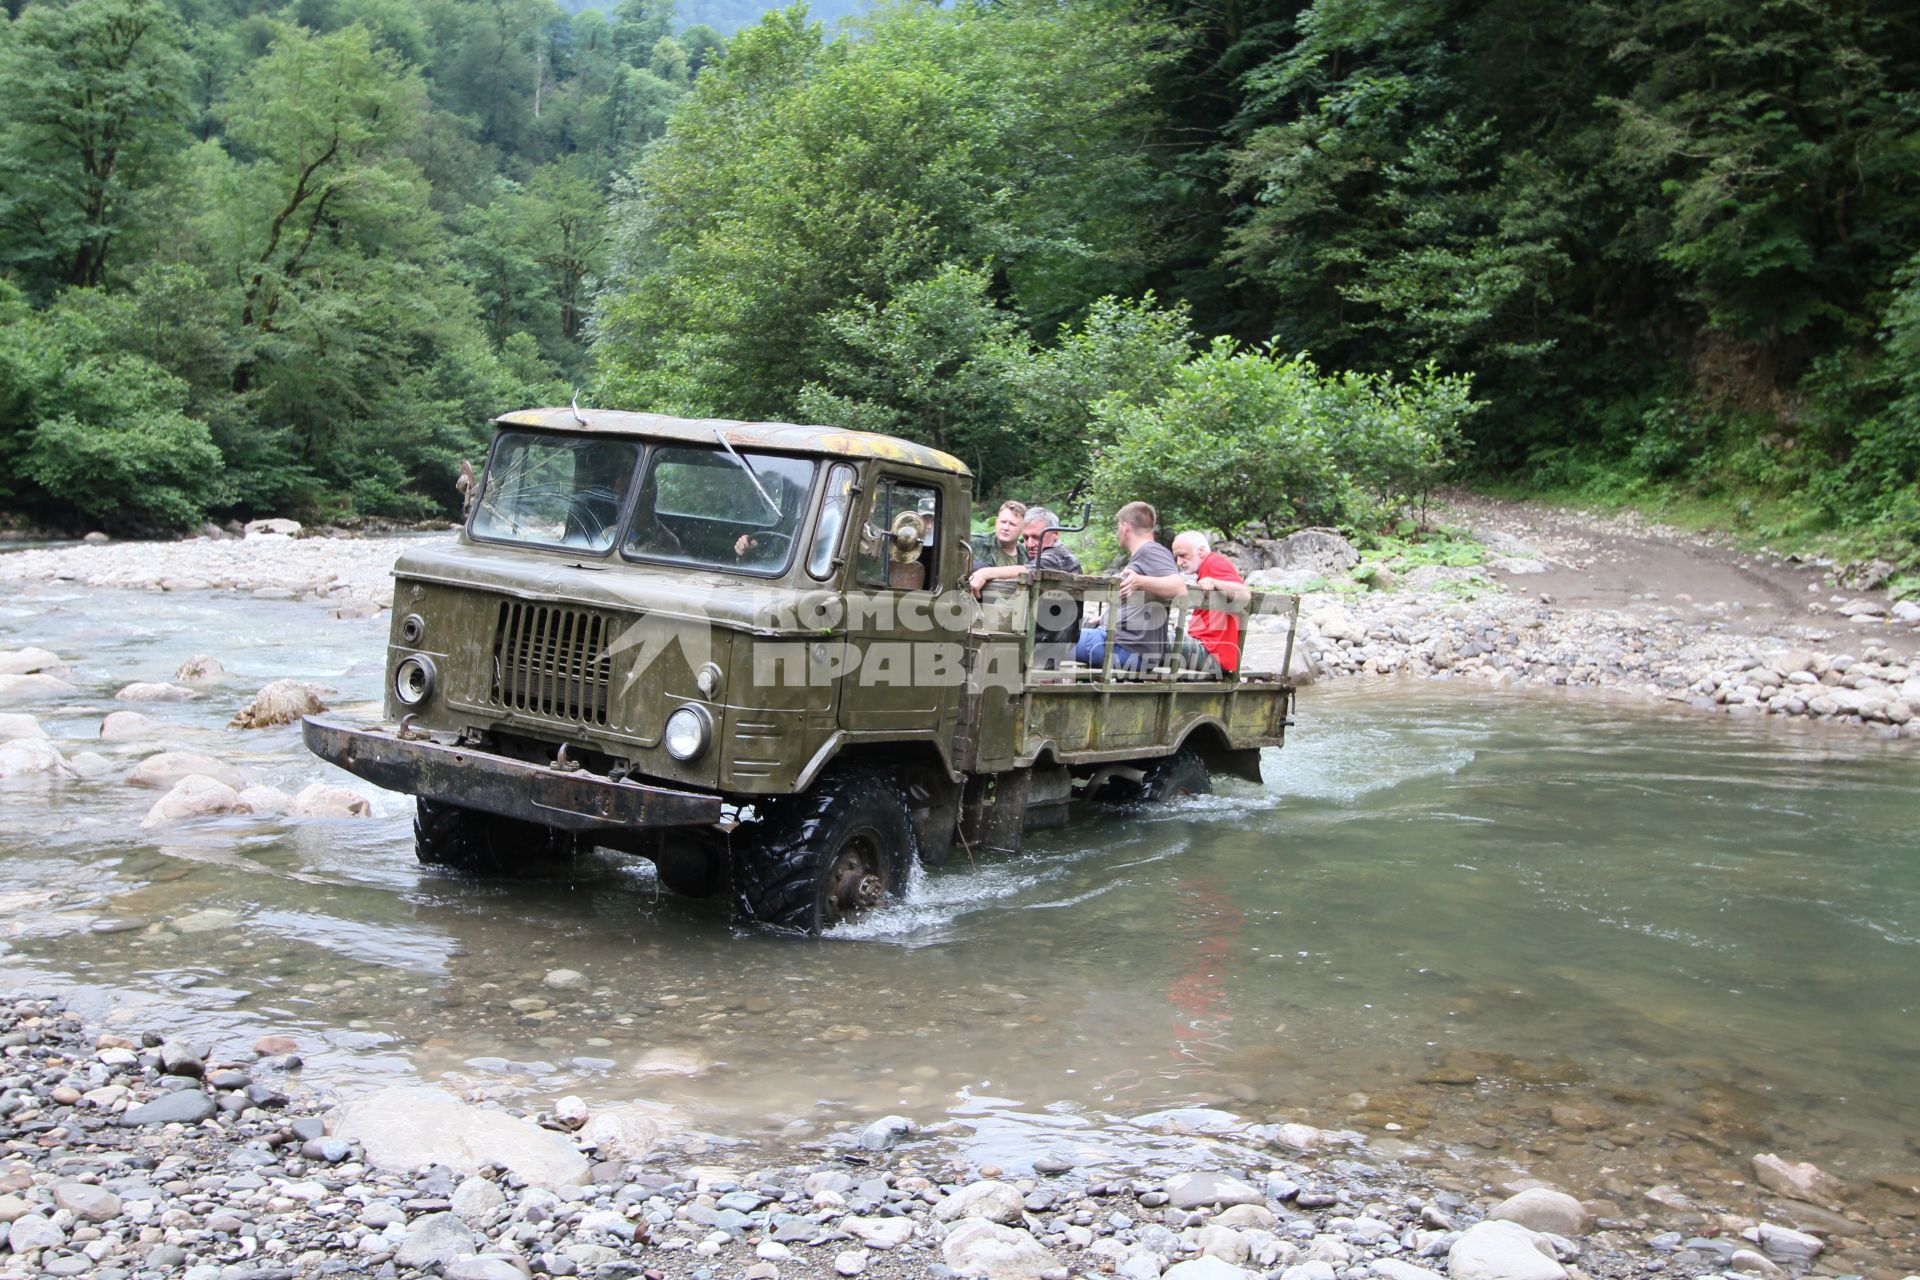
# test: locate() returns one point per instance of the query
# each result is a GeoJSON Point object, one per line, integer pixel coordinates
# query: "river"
{"type": "Point", "coordinates": [1607, 946]}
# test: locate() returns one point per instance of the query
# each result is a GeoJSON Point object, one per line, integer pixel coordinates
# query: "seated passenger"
{"type": "Point", "coordinates": [1212, 644]}
{"type": "Point", "coordinates": [1140, 628]}
{"type": "Point", "coordinates": [1058, 626]}
{"type": "Point", "coordinates": [1004, 546]}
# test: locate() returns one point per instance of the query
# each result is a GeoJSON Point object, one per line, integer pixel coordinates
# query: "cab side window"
{"type": "Point", "coordinates": [891, 556]}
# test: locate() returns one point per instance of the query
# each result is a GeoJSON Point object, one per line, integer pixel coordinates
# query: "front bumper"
{"type": "Point", "coordinates": [571, 799]}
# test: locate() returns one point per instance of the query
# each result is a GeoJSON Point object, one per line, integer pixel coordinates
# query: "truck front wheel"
{"type": "Point", "coordinates": [445, 835]}
{"type": "Point", "coordinates": [828, 856]}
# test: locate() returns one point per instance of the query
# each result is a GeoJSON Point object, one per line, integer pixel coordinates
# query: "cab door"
{"type": "Point", "coordinates": [906, 613]}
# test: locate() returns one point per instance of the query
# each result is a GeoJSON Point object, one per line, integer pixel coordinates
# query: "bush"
{"type": "Point", "coordinates": [1244, 439]}
{"type": "Point", "coordinates": [122, 454]}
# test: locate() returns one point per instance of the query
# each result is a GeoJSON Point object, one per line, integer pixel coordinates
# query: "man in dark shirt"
{"type": "Point", "coordinates": [1140, 627]}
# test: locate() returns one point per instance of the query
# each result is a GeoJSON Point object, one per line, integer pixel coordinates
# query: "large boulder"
{"type": "Point", "coordinates": [276, 527]}
{"type": "Point", "coordinates": [994, 1201]}
{"type": "Point", "coordinates": [165, 770]}
{"type": "Point", "coordinates": [1541, 1209]}
{"type": "Point", "coordinates": [26, 757]}
{"type": "Point", "coordinates": [405, 1127]}
{"type": "Point", "coordinates": [1210, 1190]}
{"type": "Point", "coordinates": [318, 800]}
{"type": "Point", "coordinates": [201, 668]}
{"type": "Point", "coordinates": [990, 1251]}
{"type": "Point", "coordinates": [627, 1133]}
{"type": "Point", "coordinates": [1495, 1250]}
{"type": "Point", "coordinates": [196, 796]}
{"type": "Point", "coordinates": [36, 686]}
{"type": "Point", "coordinates": [263, 800]}
{"type": "Point", "coordinates": [125, 726]}
{"type": "Point", "coordinates": [282, 702]}
{"type": "Point", "coordinates": [1801, 1181]}
{"type": "Point", "coordinates": [15, 725]}
{"type": "Point", "coordinates": [22, 662]}
{"type": "Point", "coordinates": [153, 691]}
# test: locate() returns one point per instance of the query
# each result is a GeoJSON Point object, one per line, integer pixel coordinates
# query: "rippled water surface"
{"type": "Point", "coordinates": [1443, 916]}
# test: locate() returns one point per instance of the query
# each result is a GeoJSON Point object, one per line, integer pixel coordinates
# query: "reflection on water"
{"type": "Point", "coordinates": [1556, 928]}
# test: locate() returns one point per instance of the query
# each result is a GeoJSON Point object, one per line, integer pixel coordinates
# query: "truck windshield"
{"type": "Point", "coordinates": [700, 506]}
{"type": "Point", "coordinates": [556, 491]}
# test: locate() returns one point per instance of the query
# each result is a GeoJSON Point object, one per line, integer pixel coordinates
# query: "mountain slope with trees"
{"type": "Point", "coordinates": [1614, 246]}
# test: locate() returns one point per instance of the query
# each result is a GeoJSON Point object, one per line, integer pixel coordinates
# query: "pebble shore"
{"type": "Point", "coordinates": [135, 1157]}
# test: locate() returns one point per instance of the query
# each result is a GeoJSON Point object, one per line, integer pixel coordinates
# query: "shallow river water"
{"type": "Point", "coordinates": [1548, 931]}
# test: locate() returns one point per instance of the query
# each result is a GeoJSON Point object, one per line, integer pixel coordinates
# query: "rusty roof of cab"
{"type": "Point", "coordinates": [741, 435]}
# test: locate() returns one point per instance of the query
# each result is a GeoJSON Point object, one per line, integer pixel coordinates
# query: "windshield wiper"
{"type": "Point", "coordinates": [747, 467]}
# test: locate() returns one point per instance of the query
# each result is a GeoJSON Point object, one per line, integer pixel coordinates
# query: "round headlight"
{"type": "Point", "coordinates": [413, 680]}
{"type": "Point", "coordinates": [688, 731]}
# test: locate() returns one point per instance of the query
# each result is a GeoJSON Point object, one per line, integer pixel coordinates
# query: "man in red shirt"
{"type": "Point", "coordinates": [1212, 632]}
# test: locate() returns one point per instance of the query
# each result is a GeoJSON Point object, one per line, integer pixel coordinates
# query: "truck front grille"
{"type": "Point", "coordinates": [553, 661]}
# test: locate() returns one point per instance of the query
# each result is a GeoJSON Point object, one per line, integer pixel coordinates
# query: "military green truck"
{"type": "Point", "coordinates": [747, 652]}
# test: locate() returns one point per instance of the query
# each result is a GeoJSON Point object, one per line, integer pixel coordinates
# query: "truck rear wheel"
{"type": "Point", "coordinates": [445, 835]}
{"type": "Point", "coordinates": [829, 856]}
{"type": "Point", "coordinates": [1183, 773]}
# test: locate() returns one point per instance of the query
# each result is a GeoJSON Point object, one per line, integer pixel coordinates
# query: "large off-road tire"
{"type": "Point", "coordinates": [1183, 773]}
{"type": "Point", "coordinates": [445, 835]}
{"type": "Point", "coordinates": [828, 856]}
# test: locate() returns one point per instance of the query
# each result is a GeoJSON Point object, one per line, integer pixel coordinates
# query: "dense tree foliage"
{"type": "Point", "coordinates": [1670, 243]}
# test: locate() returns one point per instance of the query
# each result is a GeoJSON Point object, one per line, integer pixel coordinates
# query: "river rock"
{"type": "Point", "coordinates": [95, 1204]}
{"type": "Point", "coordinates": [1498, 1250]}
{"type": "Point", "coordinates": [201, 668]}
{"type": "Point", "coordinates": [886, 1133]}
{"type": "Point", "coordinates": [123, 726]}
{"type": "Point", "coordinates": [1207, 1268]}
{"type": "Point", "coordinates": [152, 691]}
{"type": "Point", "coordinates": [1541, 1209]}
{"type": "Point", "coordinates": [437, 1239]}
{"type": "Point", "coordinates": [1395, 1269]}
{"type": "Point", "coordinates": [977, 1247]}
{"type": "Point", "coordinates": [624, 1133]}
{"type": "Point", "coordinates": [1784, 1244]}
{"type": "Point", "coordinates": [262, 800]}
{"type": "Point", "coordinates": [167, 769]}
{"type": "Point", "coordinates": [994, 1201]}
{"type": "Point", "coordinates": [879, 1233]}
{"type": "Point", "coordinates": [318, 800]}
{"type": "Point", "coordinates": [1209, 1190]}
{"type": "Point", "coordinates": [34, 1232]}
{"type": "Point", "coordinates": [1801, 1181]}
{"type": "Point", "coordinates": [23, 662]}
{"type": "Point", "coordinates": [182, 1106]}
{"type": "Point", "coordinates": [408, 1126]}
{"type": "Point", "coordinates": [566, 979]}
{"type": "Point", "coordinates": [1322, 550]}
{"type": "Point", "coordinates": [281, 702]}
{"type": "Point", "coordinates": [15, 725]}
{"type": "Point", "coordinates": [196, 796]}
{"type": "Point", "coordinates": [26, 757]}
{"type": "Point", "coordinates": [487, 1266]}
{"type": "Point", "coordinates": [1304, 1138]}
{"type": "Point", "coordinates": [271, 527]}
{"type": "Point", "coordinates": [90, 764]}
{"type": "Point", "coordinates": [36, 686]}
{"type": "Point", "coordinates": [476, 1197]}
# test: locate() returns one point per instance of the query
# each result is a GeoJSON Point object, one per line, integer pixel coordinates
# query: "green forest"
{"type": "Point", "coordinates": [1266, 263]}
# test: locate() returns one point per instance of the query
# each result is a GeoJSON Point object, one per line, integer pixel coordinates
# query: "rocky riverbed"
{"type": "Point", "coordinates": [126, 1156]}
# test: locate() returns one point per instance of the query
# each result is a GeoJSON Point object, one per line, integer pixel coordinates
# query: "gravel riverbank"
{"type": "Point", "coordinates": [126, 1156]}
{"type": "Point", "coordinates": [1563, 600]}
